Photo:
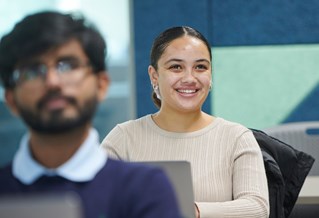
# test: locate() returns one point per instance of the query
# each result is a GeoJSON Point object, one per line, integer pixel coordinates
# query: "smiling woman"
{"type": "Point", "coordinates": [227, 167]}
{"type": "Point", "coordinates": [183, 76]}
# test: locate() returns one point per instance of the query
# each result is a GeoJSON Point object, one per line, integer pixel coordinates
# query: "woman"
{"type": "Point", "coordinates": [227, 166]}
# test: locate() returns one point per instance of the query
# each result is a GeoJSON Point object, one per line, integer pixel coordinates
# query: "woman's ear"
{"type": "Point", "coordinates": [103, 84]}
{"type": "Point", "coordinates": [153, 74]}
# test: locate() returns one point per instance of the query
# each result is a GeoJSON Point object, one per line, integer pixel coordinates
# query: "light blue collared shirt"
{"type": "Point", "coordinates": [83, 165]}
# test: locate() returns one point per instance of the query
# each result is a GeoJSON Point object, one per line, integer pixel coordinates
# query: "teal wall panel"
{"type": "Point", "coordinates": [259, 86]}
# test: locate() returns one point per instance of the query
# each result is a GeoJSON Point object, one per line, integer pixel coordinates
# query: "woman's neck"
{"type": "Point", "coordinates": [182, 122]}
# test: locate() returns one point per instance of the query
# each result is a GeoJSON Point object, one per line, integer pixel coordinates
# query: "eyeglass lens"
{"type": "Point", "coordinates": [64, 67]}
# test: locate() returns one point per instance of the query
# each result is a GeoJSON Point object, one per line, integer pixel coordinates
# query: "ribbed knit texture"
{"type": "Point", "coordinates": [227, 167]}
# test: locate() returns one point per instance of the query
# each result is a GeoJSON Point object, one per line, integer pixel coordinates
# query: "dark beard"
{"type": "Point", "coordinates": [57, 124]}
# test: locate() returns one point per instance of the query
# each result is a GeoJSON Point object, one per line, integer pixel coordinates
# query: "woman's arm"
{"type": "Point", "coordinates": [250, 190]}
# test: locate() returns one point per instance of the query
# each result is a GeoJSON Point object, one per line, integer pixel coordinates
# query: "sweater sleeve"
{"type": "Point", "coordinates": [114, 144]}
{"type": "Point", "coordinates": [250, 192]}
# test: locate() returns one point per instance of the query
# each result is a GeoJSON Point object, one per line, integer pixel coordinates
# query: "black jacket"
{"type": "Point", "coordinates": [286, 170]}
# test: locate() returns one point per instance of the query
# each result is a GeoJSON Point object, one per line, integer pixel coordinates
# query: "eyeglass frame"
{"type": "Point", "coordinates": [41, 69]}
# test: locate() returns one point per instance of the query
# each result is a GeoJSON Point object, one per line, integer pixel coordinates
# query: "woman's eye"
{"type": "Point", "coordinates": [175, 67]}
{"type": "Point", "coordinates": [201, 67]}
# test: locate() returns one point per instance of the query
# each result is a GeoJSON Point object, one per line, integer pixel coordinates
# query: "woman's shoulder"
{"type": "Point", "coordinates": [135, 123]}
{"type": "Point", "coordinates": [230, 125]}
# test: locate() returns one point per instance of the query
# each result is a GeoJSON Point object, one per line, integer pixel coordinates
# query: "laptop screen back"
{"type": "Point", "coordinates": [179, 173]}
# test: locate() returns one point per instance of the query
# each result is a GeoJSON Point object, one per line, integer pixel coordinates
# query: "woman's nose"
{"type": "Point", "coordinates": [188, 76]}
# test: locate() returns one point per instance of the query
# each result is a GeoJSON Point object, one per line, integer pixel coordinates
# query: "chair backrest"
{"type": "Point", "coordinates": [303, 136]}
{"type": "Point", "coordinates": [305, 211]}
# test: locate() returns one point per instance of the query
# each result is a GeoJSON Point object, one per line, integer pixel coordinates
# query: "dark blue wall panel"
{"type": "Point", "coordinates": [259, 22]}
{"type": "Point", "coordinates": [307, 110]}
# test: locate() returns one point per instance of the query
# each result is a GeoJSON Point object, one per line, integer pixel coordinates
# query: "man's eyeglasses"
{"type": "Point", "coordinates": [69, 70]}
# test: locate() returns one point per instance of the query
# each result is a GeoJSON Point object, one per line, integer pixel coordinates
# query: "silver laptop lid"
{"type": "Point", "coordinates": [179, 173]}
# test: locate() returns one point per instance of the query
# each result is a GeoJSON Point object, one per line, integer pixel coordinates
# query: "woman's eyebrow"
{"type": "Point", "coordinates": [180, 60]}
{"type": "Point", "coordinates": [203, 60]}
{"type": "Point", "coordinates": [173, 59]}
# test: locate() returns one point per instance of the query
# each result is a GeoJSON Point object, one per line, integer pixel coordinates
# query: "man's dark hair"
{"type": "Point", "coordinates": [39, 32]}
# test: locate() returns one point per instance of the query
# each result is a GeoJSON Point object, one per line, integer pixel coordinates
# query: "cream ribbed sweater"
{"type": "Point", "coordinates": [227, 166]}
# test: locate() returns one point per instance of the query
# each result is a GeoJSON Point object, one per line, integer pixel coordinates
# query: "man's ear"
{"type": "Point", "coordinates": [153, 74]}
{"type": "Point", "coordinates": [103, 84]}
{"type": "Point", "coordinates": [10, 101]}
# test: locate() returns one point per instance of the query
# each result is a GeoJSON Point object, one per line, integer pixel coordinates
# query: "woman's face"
{"type": "Point", "coordinates": [183, 75]}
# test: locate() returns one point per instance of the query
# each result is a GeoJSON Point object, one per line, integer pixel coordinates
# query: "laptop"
{"type": "Point", "coordinates": [40, 206]}
{"type": "Point", "coordinates": [179, 173]}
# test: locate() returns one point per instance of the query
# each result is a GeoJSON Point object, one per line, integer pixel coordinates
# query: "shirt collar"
{"type": "Point", "coordinates": [82, 167]}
